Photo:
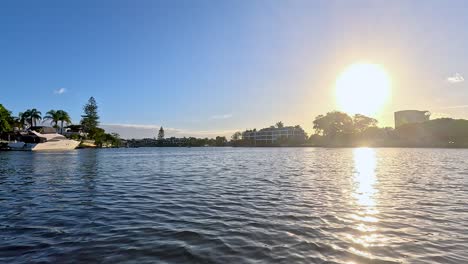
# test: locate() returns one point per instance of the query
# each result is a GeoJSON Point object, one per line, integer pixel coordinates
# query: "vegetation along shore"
{"type": "Point", "coordinates": [334, 129]}
{"type": "Point", "coordinates": [338, 129]}
{"type": "Point", "coordinates": [88, 130]}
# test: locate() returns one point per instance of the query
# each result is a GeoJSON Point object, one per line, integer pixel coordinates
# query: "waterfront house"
{"type": "Point", "coordinates": [275, 135]}
{"type": "Point", "coordinates": [74, 130]}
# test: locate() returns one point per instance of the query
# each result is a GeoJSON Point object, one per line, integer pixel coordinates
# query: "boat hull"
{"type": "Point", "coordinates": [49, 145]}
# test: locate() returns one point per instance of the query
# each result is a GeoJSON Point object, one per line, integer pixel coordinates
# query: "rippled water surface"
{"type": "Point", "coordinates": [235, 205]}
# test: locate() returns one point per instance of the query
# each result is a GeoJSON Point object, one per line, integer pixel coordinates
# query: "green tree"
{"type": "Point", "coordinates": [90, 119]}
{"type": "Point", "coordinates": [63, 117]}
{"type": "Point", "coordinates": [361, 123]}
{"type": "Point", "coordinates": [34, 115]}
{"type": "Point", "coordinates": [58, 116]}
{"type": "Point", "coordinates": [54, 117]}
{"type": "Point", "coordinates": [5, 119]}
{"type": "Point", "coordinates": [236, 136]}
{"type": "Point", "coordinates": [220, 141]}
{"type": "Point", "coordinates": [112, 140]}
{"type": "Point", "coordinates": [116, 140]}
{"type": "Point", "coordinates": [161, 134]}
{"type": "Point", "coordinates": [98, 134]}
{"type": "Point", "coordinates": [301, 135]}
{"type": "Point", "coordinates": [23, 118]}
{"type": "Point", "coordinates": [30, 116]}
{"type": "Point", "coordinates": [16, 122]}
{"type": "Point", "coordinates": [279, 124]}
{"type": "Point", "coordinates": [333, 123]}
{"type": "Point", "coordinates": [101, 138]}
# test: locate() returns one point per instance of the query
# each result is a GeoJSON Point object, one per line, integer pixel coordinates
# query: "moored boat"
{"type": "Point", "coordinates": [42, 138]}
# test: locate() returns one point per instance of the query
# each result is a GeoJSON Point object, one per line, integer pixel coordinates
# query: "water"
{"type": "Point", "coordinates": [235, 205]}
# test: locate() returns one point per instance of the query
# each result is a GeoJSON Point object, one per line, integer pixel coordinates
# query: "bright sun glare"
{"type": "Point", "coordinates": [363, 88]}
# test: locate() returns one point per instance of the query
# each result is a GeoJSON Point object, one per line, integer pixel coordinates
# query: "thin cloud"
{"type": "Point", "coordinates": [456, 78]}
{"type": "Point", "coordinates": [455, 107]}
{"type": "Point", "coordinates": [60, 91]}
{"type": "Point", "coordinates": [225, 116]}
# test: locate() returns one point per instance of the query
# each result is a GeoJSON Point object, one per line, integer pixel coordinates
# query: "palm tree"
{"type": "Point", "coordinates": [33, 115]}
{"type": "Point", "coordinates": [23, 118]}
{"type": "Point", "coordinates": [279, 124]}
{"type": "Point", "coordinates": [54, 117]}
{"type": "Point", "coordinates": [63, 117]}
{"type": "Point", "coordinates": [16, 122]}
{"type": "Point", "coordinates": [58, 116]}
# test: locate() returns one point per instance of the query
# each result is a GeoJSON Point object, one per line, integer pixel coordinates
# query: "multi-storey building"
{"type": "Point", "coordinates": [272, 134]}
{"type": "Point", "coordinates": [411, 116]}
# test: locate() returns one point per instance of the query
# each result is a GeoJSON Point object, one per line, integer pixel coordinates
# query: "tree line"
{"type": "Point", "coordinates": [334, 129]}
{"type": "Point", "coordinates": [219, 141]}
{"type": "Point", "coordinates": [338, 129]}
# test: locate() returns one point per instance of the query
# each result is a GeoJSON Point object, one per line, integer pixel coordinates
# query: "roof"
{"type": "Point", "coordinates": [412, 111]}
{"type": "Point", "coordinates": [44, 129]}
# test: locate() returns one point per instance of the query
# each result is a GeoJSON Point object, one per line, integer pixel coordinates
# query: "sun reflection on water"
{"type": "Point", "coordinates": [364, 177]}
{"type": "Point", "coordinates": [364, 191]}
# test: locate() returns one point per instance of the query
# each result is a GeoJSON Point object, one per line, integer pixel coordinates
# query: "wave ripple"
{"type": "Point", "coordinates": [234, 205]}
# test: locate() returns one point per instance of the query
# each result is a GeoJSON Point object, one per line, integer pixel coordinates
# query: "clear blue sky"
{"type": "Point", "coordinates": [213, 67]}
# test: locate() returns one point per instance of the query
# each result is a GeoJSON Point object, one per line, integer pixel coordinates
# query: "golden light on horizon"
{"type": "Point", "coordinates": [363, 88]}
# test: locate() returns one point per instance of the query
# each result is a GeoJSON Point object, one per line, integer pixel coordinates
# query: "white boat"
{"type": "Point", "coordinates": [48, 139]}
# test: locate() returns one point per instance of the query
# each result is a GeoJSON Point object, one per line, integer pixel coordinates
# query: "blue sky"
{"type": "Point", "coordinates": [204, 68]}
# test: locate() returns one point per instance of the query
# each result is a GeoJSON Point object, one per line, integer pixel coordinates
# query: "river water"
{"type": "Point", "coordinates": [235, 205]}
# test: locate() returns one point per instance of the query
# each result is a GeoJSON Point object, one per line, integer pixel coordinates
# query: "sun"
{"type": "Point", "coordinates": [363, 88]}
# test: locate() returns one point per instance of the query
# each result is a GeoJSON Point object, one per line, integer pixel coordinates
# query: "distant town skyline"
{"type": "Point", "coordinates": [209, 68]}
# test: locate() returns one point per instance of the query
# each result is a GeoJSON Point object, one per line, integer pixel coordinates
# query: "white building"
{"type": "Point", "coordinates": [272, 134]}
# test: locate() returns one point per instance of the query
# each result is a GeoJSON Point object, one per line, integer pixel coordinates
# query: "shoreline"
{"type": "Point", "coordinates": [4, 147]}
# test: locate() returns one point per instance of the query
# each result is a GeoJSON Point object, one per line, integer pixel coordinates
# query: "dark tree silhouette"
{"type": "Point", "coordinates": [333, 123]}
{"type": "Point", "coordinates": [362, 123]}
{"type": "Point", "coordinates": [236, 136]}
{"type": "Point", "coordinates": [161, 134]}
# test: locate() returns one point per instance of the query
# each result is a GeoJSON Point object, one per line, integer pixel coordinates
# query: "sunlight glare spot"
{"type": "Point", "coordinates": [365, 165]}
{"type": "Point", "coordinates": [363, 88]}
